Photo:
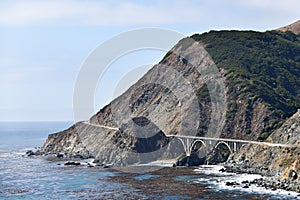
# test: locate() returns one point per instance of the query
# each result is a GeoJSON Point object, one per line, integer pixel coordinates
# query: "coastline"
{"type": "Point", "coordinates": [241, 176]}
{"type": "Point", "coordinates": [242, 181]}
{"type": "Point", "coordinates": [270, 179]}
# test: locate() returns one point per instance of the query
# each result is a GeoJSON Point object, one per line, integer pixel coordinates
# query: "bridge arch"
{"type": "Point", "coordinates": [189, 143]}
{"type": "Point", "coordinates": [197, 141]}
{"type": "Point", "coordinates": [226, 144]}
{"type": "Point", "coordinates": [185, 143]}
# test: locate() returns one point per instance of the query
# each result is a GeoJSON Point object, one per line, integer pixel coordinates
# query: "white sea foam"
{"type": "Point", "coordinates": [218, 181]}
{"type": "Point", "coordinates": [212, 169]}
{"type": "Point", "coordinates": [87, 162]}
{"type": "Point", "coordinates": [5, 154]}
{"type": "Point", "coordinates": [162, 163]}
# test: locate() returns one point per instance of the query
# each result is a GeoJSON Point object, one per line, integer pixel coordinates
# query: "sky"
{"type": "Point", "coordinates": [43, 44]}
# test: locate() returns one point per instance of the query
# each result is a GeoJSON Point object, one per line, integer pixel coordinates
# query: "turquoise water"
{"type": "Point", "coordinates": [24, 177]}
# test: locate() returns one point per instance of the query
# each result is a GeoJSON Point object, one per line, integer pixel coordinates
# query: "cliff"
{"type": "Point", "coordinates": [257, 74]}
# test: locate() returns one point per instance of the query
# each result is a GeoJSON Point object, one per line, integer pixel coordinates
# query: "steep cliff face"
{"type": "Point", "coordinates": [260, 72]}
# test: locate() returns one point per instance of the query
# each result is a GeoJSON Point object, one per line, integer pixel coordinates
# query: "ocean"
{"type": "Point", "coordinates": [36, 177]}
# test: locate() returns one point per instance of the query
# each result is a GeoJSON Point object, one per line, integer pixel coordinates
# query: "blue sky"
{"type": "Point", "coordinates": [44, 43]}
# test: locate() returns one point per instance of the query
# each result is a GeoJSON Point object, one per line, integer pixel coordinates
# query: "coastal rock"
{"type": "Point", "coordinates": [222, 170]}
{"type": "Point", "coordinates": [60, 155]}
{"type": "Point", "coordinates": [231, 183]}
{"type": "Point", "coordinates": [293, 174]}
{"type": "Point", "coordinates": [192, 160]}
{"type": "Point", "coordinates": [72, 163]}
{"type": "Point", "coordinates": [218, 155]}
{"type": "Point", "coordinates": [30, 153]}
{"type": "Point", "coordinates": [33, 153]}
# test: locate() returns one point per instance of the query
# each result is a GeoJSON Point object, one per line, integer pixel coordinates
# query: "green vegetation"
{"type": "Point", "coordinates": [203, 94]}
{"type": "Point", "coordinates": [259, 66]}
{"type": "Point", "coordinates": [264, 136]}
{"type": "Point", "coordinates": [268, 63]}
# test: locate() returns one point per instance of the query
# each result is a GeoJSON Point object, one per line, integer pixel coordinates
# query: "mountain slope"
{"type": "Point", "coordinates": [278, 162]}
{"type": "Point", "coordinates": [294, 27]}
{"type": "Point", "coordinates": [261, 72]}
{"type": "Point", "coordinates": [259, 67]}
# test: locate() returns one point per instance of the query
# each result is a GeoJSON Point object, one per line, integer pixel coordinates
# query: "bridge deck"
{"type": "Point", "coordinates": [210, 138]}
{"type": "Point", "coordinates": [236, 140]}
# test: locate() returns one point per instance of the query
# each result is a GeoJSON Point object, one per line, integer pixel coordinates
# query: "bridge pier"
{"type": "Point", "coordinates": [234, 147]}
{"type": "Point", "coordinates": [187, 145]}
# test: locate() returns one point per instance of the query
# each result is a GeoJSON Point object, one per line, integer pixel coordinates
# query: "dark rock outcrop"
{"type": "Point", "coordinates": [33, 153]}
{"type": "Point", "coordinates": [218, 155]}
{"type": "Point", "coordinates": [192, 160]}
{"type": "Point", "coordinates": [72, 163]}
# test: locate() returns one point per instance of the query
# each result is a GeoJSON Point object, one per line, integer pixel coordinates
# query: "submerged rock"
{"type": "Point", "coordinates": [60, 155]}
{"type": "Point", "coordinates": [73, 163]}
{"type": "Point", "coordinates": [231, 183]}
{"type": "Point", "coordinates": [30, 153]}
{"type": "Point", "coordinates": [33, 153]}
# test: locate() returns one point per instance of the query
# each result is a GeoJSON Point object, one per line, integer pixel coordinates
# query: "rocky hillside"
{"type": "Point", "coordinates": [294, 28]}
{"type": "Point", "coordinates": [255, 89]}
{"type": "Point", "coordinates": [280, 162]}
{"type": "Point", "coordinates": [262, 77]}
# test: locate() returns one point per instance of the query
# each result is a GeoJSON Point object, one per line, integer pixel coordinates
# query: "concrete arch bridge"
{"type": "Point", "coordinates": [189, 143]}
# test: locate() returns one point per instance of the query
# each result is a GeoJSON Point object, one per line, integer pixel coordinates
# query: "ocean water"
{"type": "Point", "coordinates": [24, 177]}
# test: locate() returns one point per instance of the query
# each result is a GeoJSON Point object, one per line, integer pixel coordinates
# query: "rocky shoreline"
{"type": "Point", "coordinates": [77, 160]}
{"type": "Point", "coordinates": [271, 179]}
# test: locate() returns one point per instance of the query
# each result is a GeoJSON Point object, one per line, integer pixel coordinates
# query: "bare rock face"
{"type": "Point", "coordinates": [66, 142]}
{"type": "Point", "coordinates": [289, 132]}
{"type": "Point", "coordinates": [294, 27]}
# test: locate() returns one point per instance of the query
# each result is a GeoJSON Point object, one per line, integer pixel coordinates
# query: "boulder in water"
{"type": "Point", "coordinates": [72, 163]}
